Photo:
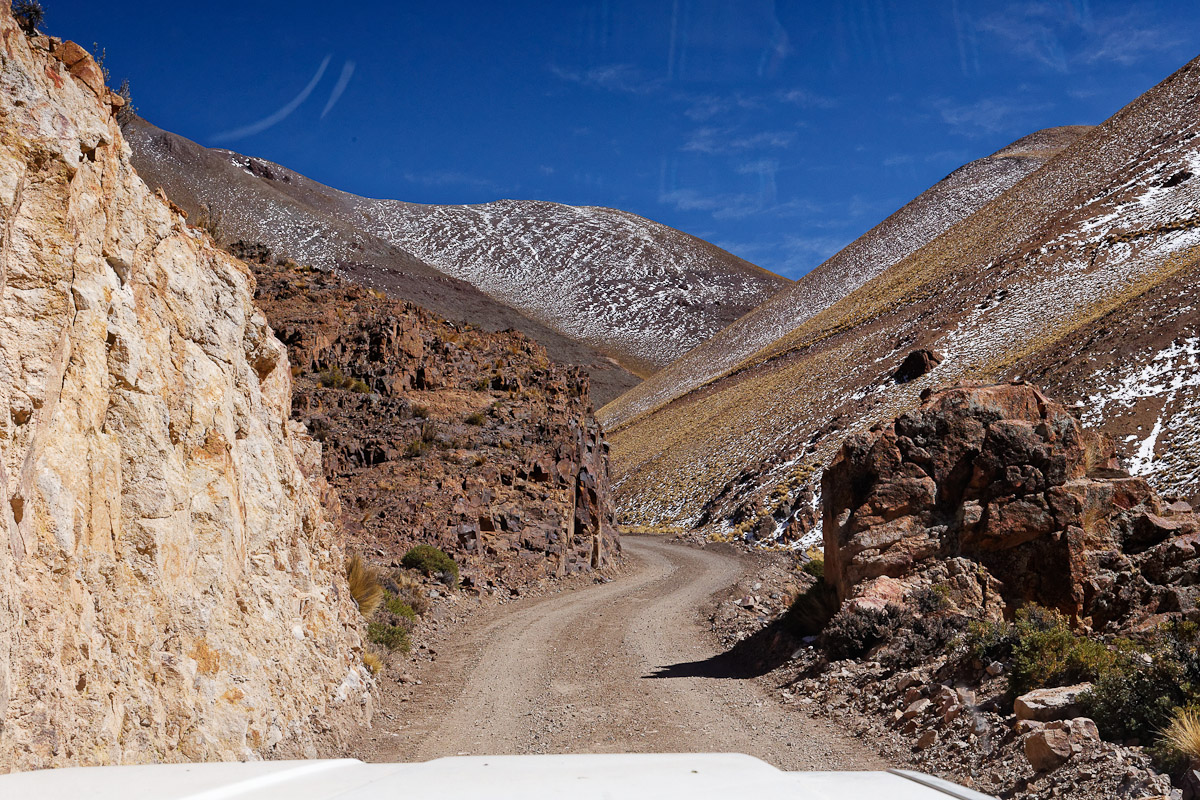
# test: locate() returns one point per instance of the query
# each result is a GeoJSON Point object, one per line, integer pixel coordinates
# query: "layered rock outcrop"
{"type": "Point", "coordinates": [170, 588]}
{"type": "Point", "coordinates": [441, 433]}
{"type": "Point", "coordinates": [998, 494]}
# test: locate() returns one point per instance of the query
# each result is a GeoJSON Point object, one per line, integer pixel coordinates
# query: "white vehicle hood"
{"type": "Point", "coordinates": [719, 776]}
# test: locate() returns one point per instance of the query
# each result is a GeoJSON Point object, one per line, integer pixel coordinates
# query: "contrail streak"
{"type": "Point", "coordinates": [342, 82]}
{"type": "Point", "coordinates": [281, 114]}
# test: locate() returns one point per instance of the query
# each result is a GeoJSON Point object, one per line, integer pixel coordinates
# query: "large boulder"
{"type": "Point", "coordinates": [1047, 705]}
{"type": "Point", "coordinates": [999, 494]}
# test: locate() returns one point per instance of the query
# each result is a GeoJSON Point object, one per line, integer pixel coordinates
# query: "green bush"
{"type": "Point", "coordinates": [476, 418]}
{"type": "Point", "coordinates": [400, 608]}
{"type": "Point", "coordinates": [393, 637]}
{"type": "Point", "coordinates": [431, 561]}
{"type": "Point", "coordinates": [1148, 685]}
{"type": "Point", "coordinates": [1048, 653]}
{"type": "Point", "coordinates": [815, 567]}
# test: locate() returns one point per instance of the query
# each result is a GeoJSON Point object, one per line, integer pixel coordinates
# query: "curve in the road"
{"type": "Point", "coordinates": [590, 671]}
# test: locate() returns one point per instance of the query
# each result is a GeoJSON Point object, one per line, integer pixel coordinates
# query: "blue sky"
{"type": "Point", "coordinates": [778, 130]}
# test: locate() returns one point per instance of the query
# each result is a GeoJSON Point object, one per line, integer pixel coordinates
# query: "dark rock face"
{"type": "Point", "coordinates": [916, 364]}
{"type": "Point", "coordinates": [1000, 495]}
{"type": "Point", "coordinates": [443, 434]}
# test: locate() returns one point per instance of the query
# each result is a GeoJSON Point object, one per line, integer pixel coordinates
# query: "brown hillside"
{"type": "Point", "coordinates": [1110, 219]}
{"type": "Point", "coordinates": [441, 433]}
{"type": "Point", "coordinates": [955, 197]}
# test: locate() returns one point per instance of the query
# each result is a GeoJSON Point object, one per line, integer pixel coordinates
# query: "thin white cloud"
{"type": "Point", "coordinates": [342, 82]}
{"type": "Point", "coordinates": [620, 78]}
{"type": "Point", "coordinates": [806, 99]}
{"type": "Point", "coordinates": [1062, 36]}
{"type": "Point", "coordinates": [280, 115]}
{"type": "Point", "coordinates": [988, 116]}
{"type": "Point", "coordinates": [711, 140]}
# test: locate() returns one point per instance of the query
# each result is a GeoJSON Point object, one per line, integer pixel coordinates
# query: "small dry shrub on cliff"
{"type": "Point", "coordinates": [815, 565]}
{"type": "Point", "coordinates": [29, 14]}
{"type": "Point", "coordinates": [925, 629]}
{"type": "Point", "coordinates": [372, 662]}
{"type": "Point", "coordinates": [476, 418]}
{"type": "Point", "coordinates": [364, 586]}
{"type": "Point", "coordinates": [334, 378]}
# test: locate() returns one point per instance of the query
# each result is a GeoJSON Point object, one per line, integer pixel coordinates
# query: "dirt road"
{"type": "Point", "coordinates": [617, 667]}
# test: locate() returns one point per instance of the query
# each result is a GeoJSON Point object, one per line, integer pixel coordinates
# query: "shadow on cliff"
{"type": "Point", "coordinates": [754, 656]}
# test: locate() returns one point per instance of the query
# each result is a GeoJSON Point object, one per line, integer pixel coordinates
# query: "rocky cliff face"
{"type": "Point", "coordinates": [442, 433]}
{"type": "Point", "coordinates": [169, 585]}
{"type": "Point", "coordinates": [1000, 497]}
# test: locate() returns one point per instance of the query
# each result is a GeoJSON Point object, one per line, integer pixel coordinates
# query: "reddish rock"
{"type": "Point", "coordinates": [88, 72]}
{"type": "Point", "coordinates": [916, 364]}
{"type": "Point", "coordinates": [1048, 749]}
{"type": "Point", "coordinates": [71, 53]}
{"type": "Point", "coordinates": [999, 494]}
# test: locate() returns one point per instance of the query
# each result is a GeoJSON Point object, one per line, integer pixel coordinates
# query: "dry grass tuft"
{"type": "Point", "coordinates": [1183, 734]}
{"type": "Point", "coordinates": [372, 662]}
{"type": "Point", "coordinates": [364, 586]}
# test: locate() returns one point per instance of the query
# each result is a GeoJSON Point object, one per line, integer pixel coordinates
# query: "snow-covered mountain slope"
{"type": "Point", "coordinates": [610, 291]}
{"type": "Point", "coordinates": [242, 198]}
{"type": "Point", "coordinates": [1081, 275]}
{"type": "Point", "coordinates": [954, 198]}
{"type": "Point", "coordinates": [624, 284]}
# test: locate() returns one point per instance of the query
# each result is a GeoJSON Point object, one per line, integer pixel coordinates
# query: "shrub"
{"type": "Point", "coordinates": [334, 378]}
{"type": "Point", "coordinates": [420, 412]}
{"type": "Point", "coordinates": [364, 587]}
{"type": "Point", "coordinates": [416, 448]}
{"type": "Point", "coordinates": [1182, 735]}
{"type": "Point", "coordinates": [400, 608]}
{"type": "Point", "coordinates": [409, 591]}
{"type": "Point", "coordinates": [372, 662]}
{"type": "Point", "coordinates": [815, 565]}
{"type": "Point", "coordinates": [393, 637]}
{"type": "Point", "coordinates": [127, 112]}
{"type": "Point", "coordinates": [431, 561]}
{"type": "Point", "coordinates": [811, 611]}
{"type": "Point", "coordinates": [476, 418]}
{"type": "Point", "coordinates": [1148, 685]}
{"type": "Point", "coordinates": [29, 14]}
{"type": "Point", "coordinates": [923, 630]}
{"type": "Point", "coordinates": [1048, 653]}
{"type": "Point", "coordinates": [990, 641]}
{"type": "Point", "coordinates": [854, 631]}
